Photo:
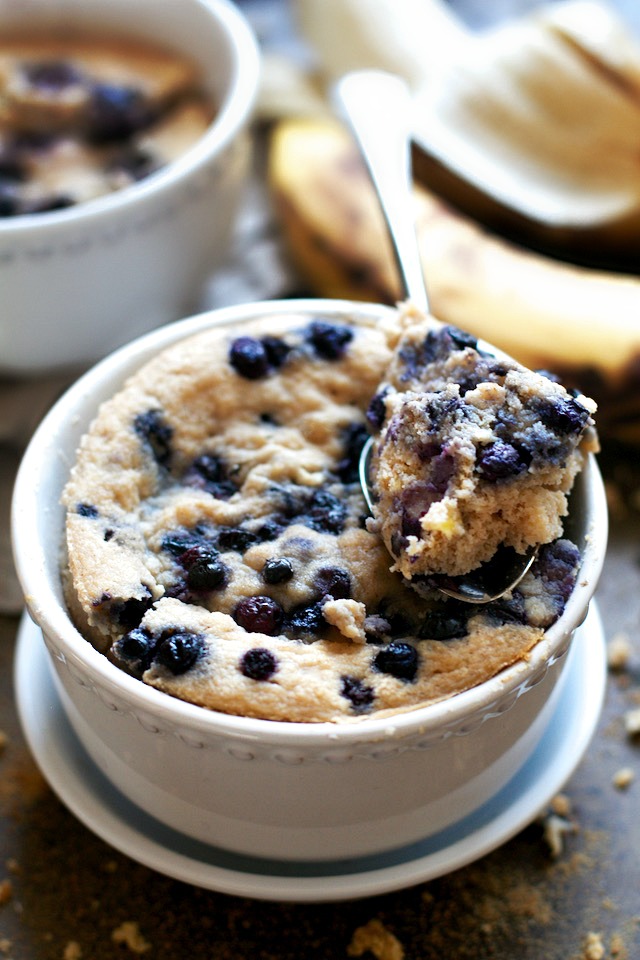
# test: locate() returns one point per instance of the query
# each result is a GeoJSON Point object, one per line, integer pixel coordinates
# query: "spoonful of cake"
{"type": "Point", "coordinates": [473, 455]}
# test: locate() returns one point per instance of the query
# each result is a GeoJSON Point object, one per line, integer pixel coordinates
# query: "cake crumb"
{"type": "Point", "coordinates": [6, 891]}
{"type": "Point", "coordinates": [617, 947]}
{"type": "Point", "coordinates": [72, 951]}
{"type": "Point", "coordinates": [593, 947]}
{"type": "Point", "coordinates": [618, 652]}
{"type": "Point", "coordinates": [374, 938]}
{"type": "Point", "coordinates": [623, 778]}
{"type": "Point", "coordinates": [561, 805]}
{"type": "Point", "coordinates": [632, 722]}
{"type": "Point", "coordinates": [6, 946]}
{"type": "Point", "coordinates": [555, 828]}
{"type": "Point", "coordinates": [4, 740]}
{"type": "Point", "coordinates": [128, 933]}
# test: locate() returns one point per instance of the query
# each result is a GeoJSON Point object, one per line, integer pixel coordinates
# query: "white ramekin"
{"type": "Point", "coordinates": [276, 789]}
{"type": "Point", "coordinates": [77, 283]}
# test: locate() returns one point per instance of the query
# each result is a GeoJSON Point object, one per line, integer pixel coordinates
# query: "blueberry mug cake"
{"type": "Point", "coordinates": [82, 117]}
{"type": "Point", "coordinates": [218, 546]}
{"type": "Point", "coordinates": [474, 452]}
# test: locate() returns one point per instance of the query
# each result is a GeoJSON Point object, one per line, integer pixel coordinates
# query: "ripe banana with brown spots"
{"type": "Point", "coordinates": [581, 323]}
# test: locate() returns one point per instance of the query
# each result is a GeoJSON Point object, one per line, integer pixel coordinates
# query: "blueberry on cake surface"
{"type": "Point", "coordinates": [473, 452]}
{"type": "Point", "coordinates": [84, 117]}
{"type": "Point", "coordinates": [217, 539]}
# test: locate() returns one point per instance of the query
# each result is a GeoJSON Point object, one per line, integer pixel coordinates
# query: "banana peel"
{"type": "Point", "coordinates": [582, 324]}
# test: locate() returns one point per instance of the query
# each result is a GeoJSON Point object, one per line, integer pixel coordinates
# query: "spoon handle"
{"type": "Point", "coordinates": [377, 106]}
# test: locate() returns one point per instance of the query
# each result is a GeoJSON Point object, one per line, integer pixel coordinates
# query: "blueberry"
{"type": "Point", "coordinates": [442, 468]}
{"type": "Point", "coordinates": [133, 162]}
{"type": "Point", "coordinates": [55, 201]}
{"type": "Point", "coordinates": [563, 414]}
{"type": "Point", "coordinates": [268, 419]}
{"type": "Point", "coordinates": [440, 407]}
{"type": "Point", "coordinates": [542, 443]}
{"type": "Point", "coordinates": [178, 542]}
{"type": "Point", "coordinates": [316, 508]}
{"type": "Point", "coordinates": [179, 650]}
{"type": "Point", "coordinates": [417, 498]}
{"type": "Point", "coordinates": [306, 618]}
{"type": "Point", "coordinates": [353, 438]}
{"type": "Point", "coordinates": [156, 433]}
{"type": "Point", "coordinates": [259, 615]}
{"type": "Point", "coordinates": [87, 510]}
{"type": "Point", "coordinates": [437, 345]}
{"type": "Point", "coordinates": [51, 75]}
{"type": "Point", "coordinates": [12, 166]}
{"type": "Point", "coordinates": [325, 513]}
{"type": "Point", "coordinates": [333, 582]}
{"type": "Point", "coordinates": [34, 140]}
{"type": "Point", "coordinates": [207, 573]}
{"type": "Point", "coordinates": [376, 628]}
{"type": "Point", "coordinates": [399, 540]}
{"type": "Point", "coordinates": [508, 609]}
{"type": "Point", "coordinates": [444, 625]}
{"type": "Point", "coordinates": [426, 450]}
{"type": "Point", "coordinates": [277, 351]}
{"type": "Point", "coordinates": [128, 613]}
{"type": "Point", "coordinates": [236, 539]}
{"type": "Point", "coordinates": [277, 570]}
{"type": "Point", "coordinates": [359, 694]}
{"type": "Point", "coordinates": [9, 200]}
{"type": "Point", "coordinates": [398, 659]}
{"type": "Point", "coordinates": [258, 664]}
{"type": "Point", "coordinates": [460, 338]}
{"type": "Point", "coordinates": [469, 380]}
{"type": "Point", "coordinates": [399, 624]}
{"type": "Point", "coordinates": [329, 340]}
{"type": "Point", "coordinates": [499, 461]}
{"type": "Point", "coordinates": [135, 649]}
{"type": "Point", "coordinates": [411, 360]}
{"type": "Point", "coordinates": [377, 411]}
{"type": "Point", "coordinates": [557, 564]}
{"type": "Point", "coordinates": [209, 472]}
{"type": "Point", "coordinates": [249, 358]}
{"type": "Point", "coordinates": [270, 529]}
{"type": "Point", "coordinates": [116, 112]}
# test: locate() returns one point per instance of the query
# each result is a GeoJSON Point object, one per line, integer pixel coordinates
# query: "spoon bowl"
{"type": "Point", "coordinates": [377, 106]}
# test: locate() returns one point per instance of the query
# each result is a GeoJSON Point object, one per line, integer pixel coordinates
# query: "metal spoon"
{"type": "Point", "coordinates": [377, 106]}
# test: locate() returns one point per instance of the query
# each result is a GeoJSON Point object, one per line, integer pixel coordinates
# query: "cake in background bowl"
{"type": "Point", "coordinates": [83, 117]}
{"type": "Point", "coordinates": [122, 169]}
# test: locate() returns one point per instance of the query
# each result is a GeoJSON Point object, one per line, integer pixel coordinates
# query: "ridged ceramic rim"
{"type": "Point", "coordinates": [234, 113]}
{"type": "Point", "coordinates": [43, 593]}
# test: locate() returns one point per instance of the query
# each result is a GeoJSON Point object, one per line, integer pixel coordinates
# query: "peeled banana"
{"type": "Point", "coordinates": [583, 324]}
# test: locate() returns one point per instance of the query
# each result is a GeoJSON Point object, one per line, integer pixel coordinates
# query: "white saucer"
{"type": "Point", "coordinates": [103, 809]}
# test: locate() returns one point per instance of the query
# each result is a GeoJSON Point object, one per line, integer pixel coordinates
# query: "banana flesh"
{"type": "Point", "coordinates": [580, 323]}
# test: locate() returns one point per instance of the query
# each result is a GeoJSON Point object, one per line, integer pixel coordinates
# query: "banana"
{"type": "Point", "coordinates": [583, 324]}
{"type": "Point", "coordinates": [532, 124]}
